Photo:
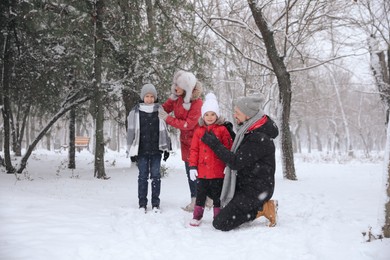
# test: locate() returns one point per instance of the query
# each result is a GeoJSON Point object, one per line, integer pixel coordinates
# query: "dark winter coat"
{"type": "Point", "coordinates": [149, 133]}
{"type": "Point", "coordinates": [202, 157]}
{"type": "Point", "coordinates": [254, 161]}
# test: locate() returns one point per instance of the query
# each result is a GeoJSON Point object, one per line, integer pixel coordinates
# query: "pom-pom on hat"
{"type": "Point", "coordinates": [186, 81]}
{"type": "Point", "coordinates": [148, 88]}
{"type": "Point", "coordinates": [250, 106]}
{"type": "Point", "coordinates": [210, 104]}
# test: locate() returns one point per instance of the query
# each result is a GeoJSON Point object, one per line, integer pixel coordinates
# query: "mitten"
{"type": "Point", "coordinates": [229, 127]}
{"type": "Point", "coordinates": [134, 158]}
{"type": "Point", "coordinates": [210, 139]}
{"type": "Point", "coordinates": [166, 155]}
{"type": "Point", "coordinates": [162, 114]}
{"type": "Point", "coordinates": [193, 174]}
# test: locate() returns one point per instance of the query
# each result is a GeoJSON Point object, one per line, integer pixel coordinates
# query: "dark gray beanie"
{"type": "Point", "coordinates": [250, 106]}
{"type": "Point", "coordinates": [148, 88]}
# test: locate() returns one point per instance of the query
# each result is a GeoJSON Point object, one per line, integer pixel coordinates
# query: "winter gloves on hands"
{"type": "Point", "coordinates": [162, 114]}
{"type": "Point", "coordinates": [193, 174]}
{"type": "Point", "coordinates": [210, 139]}
{"type": "Point", "coordinates": [134, 159]}
{"type": "Point", "coordinates": [166, 155]}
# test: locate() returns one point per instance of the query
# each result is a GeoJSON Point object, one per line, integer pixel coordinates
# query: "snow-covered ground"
{"type": "Point", "coordinates": [52, 213]}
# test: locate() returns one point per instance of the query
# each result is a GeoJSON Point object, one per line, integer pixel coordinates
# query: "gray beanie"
{"type": "Point", "coordinates": [148, 88]}
{"type": "Point", "coordinates": [250, 106]}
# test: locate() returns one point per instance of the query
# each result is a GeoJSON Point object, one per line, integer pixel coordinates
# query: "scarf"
{"type": "Point", "coordinates": [133, 129]}
{"type": "Point", "coordinates": [229, 182]}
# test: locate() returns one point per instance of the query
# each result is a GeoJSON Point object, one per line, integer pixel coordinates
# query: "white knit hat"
{"type": "Point", "coordinates": [148, 88]}
{"type": "Point", "coordinates": [186, 81]}
{"type": "Point", "coordinates": [210, 104]}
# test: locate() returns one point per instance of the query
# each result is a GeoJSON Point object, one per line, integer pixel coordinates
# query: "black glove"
{"type": "Point", "coordinates": [166, 155]}
{"type": "Point", "coordinates": [229, 127]}
{"type": "Point", "coordinates": [210, 139]}
{"type": "Point", "coordinates": [134, 158]}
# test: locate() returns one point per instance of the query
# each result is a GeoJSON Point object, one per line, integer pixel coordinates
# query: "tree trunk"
{"type": "Point", "coordinates": [97, 80]}
{"type": "Point", "coordinates": [318, 139]}
{"type": "Point", "coordinates": [348, 147]}
{"type": "Point", "coordinates": [48, 140]}
{"type": "Point", "coordinates": [72, 135]}
{"type": "Point", "coordinates": [18, 126]}
{"type": "Point", "coordinates": [23, 128]}
{"type": "Point", "coordinates": [381, 72]}
{"type": "Point", "coordinates": [386, 226]}
{"type": "Point", "coordinates": [5, 100]}
{"type": "Point", "coordinates": [284, 83]}
{"type": "Point", "coordinates": [309, 133]}
{"type": "Point", "coordinates": [130, 98]}
{"type": "Point", "coordinates": [150, 16]}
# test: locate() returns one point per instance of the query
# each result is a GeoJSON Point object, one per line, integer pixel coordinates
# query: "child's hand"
{"type": "Point", "coordinates": [193, 174]}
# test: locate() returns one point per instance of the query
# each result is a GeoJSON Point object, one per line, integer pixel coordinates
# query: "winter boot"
{"type": "Point", "coordinates": [198, 214]}
{"type": "Point", "coordinates": [216, 211]}
{"type": "Point", "coordinates": [270, 211]}
{"type": "Point", "coordinates": [209, 203]}
{"type": "Point", "coordinates": [190, 207]}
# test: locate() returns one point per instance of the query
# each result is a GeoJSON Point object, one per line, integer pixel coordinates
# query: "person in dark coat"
{"type": "Point", "coordinates": [250, 173]}
{"type": "Point", "coordinates": [147, 139]}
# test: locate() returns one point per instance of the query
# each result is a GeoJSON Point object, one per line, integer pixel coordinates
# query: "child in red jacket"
{"type": "Point", "coordinates": [205, 167]}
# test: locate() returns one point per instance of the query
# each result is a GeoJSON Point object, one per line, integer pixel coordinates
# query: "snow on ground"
{"type": "Point", "coordinates": [54, 213]}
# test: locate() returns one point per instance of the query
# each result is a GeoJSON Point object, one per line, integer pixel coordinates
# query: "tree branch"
{"type": "Point", "coordinates": [231, 43]}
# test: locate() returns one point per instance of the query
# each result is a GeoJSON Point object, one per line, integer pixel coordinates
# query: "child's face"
{"type": "Point", "coordinates": [210, 117]}
{"type": "Point", "coordinates": [149, 98]}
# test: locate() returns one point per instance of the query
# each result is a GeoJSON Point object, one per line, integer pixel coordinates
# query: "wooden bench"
{"type": "Point", "coordinates": [81, 142]}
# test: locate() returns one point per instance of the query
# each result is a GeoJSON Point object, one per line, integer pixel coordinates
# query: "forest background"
{"type": "Point", "coordinates": [75, 68]}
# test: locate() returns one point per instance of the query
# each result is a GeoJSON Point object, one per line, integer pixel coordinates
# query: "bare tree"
{"type": "Point", "coordinates": [284, 83]}
{"type": "Point", "coordinates": [287, 29]}
{"type": "Point", "coordinates": [98, 13]}
{"type": "Point", "coordinates": [375, 21]}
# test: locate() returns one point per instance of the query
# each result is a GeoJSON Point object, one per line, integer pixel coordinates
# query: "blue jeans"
{"type": "Point", "coordinates": [192, 184]}
{"type": "Point", "coordinates": [149, 165]}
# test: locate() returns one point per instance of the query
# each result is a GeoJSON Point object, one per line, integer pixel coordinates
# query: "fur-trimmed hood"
{"type": "Point", "coordinates": [188, 82]}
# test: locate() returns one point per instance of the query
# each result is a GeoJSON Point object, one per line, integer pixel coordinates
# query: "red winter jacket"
{"type": "Point", "coordinates": [201, 156]}
{"type": "Point", "coordinates": [184, 120]}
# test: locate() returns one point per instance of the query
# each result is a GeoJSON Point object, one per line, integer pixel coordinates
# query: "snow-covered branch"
{"type": "Point", "coordinates": [232, 44]}
{"type": "Point", "coordinates": [320, 63]}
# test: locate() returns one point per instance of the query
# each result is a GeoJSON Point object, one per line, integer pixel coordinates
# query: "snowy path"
{"type": "Point", "coordinates": [321, 216]}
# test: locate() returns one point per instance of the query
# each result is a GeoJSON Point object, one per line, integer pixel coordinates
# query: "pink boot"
{"type": "Point", "coordinates": [198, 214]}
{"type": "Point", "coordinates": [216, 211]}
